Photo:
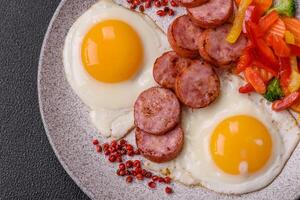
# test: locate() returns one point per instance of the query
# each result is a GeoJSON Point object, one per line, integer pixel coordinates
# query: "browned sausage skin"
{"type": "Point", "coordinates": [183, 37]}
{"type": "Point", "coordinates": [202, 51]}
{"type": "Point", "coordinates": [167, 67]}
{"type": "Point", "coordinates": [211, 14]}
{"type": "Point", "coordinates": [160, 148]}
{"type": "Point", "coordinates": [157, 111]}
{"type": "Point", "coordinates": [191, 3]}
{"type": "Point", "coordinates": [198, 85]}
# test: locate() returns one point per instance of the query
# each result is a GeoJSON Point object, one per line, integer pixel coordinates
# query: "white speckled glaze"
{"type": "Point", "coordinates": [70, 132]}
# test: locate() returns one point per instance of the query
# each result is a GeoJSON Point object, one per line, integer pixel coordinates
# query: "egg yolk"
{"type": "Point", "coordinates": [240, 145]}
{"type": "Point", "coordinates": [112, 51]}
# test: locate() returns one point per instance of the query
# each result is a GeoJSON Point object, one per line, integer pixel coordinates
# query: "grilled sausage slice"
{"type": "Point", "coordinates": [157, 111]}
{"type": "Point", "coordinates": [183, 37]}
{"type": "Point", "coordinates": [198, 85]}
{"type": "Point", "coordinates": [160, 148]}
{"type": "Point", "coordinates": [167, 67]}
{"type": "Point", "coordinates": [211, 14]}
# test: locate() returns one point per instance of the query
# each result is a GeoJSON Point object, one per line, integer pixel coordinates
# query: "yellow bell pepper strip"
{"type": "Point", "coordinates": [292, 25]}
{"type": "Point", "coordinates": [294, 78]}
{"type": "Point", "coordinates": [294, 63]}
{"type": "Point", "coordinates": [290, 40]}
{"type": "Point", "coordinates": [294, 84]}
{"type": "Point", "coordinates": [296, 107]}
{"type": "Point", "coordinates": [237, 26]}
{"type": "Point", "coordinates": [289, 37]}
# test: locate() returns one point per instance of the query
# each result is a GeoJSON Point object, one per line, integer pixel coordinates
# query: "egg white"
{"type": "Point", "coordinates": [120, 95]}
{"type": "Point", "coordinates": [112, 104]}
{"type": "Point", "coordinates": [194, 166]}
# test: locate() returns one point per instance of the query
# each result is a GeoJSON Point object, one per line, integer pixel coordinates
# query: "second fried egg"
{"type": "Point", "coordinates": [236, 145]}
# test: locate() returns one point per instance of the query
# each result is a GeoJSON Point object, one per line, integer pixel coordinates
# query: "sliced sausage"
{"type": "Point", "coordinates": [203, 53]}
{"type": "Point", "coordinates": [198, 85]}
{"type": "Point", "coordinates": [160, 148]}
{"type": "Point", "coordinates": [211, 14]}
{"type": "Point", "coordinates": [183, 37]}
{"type": "Point", "coordinates": [166, 68]}
{"type": "Point", "coordinates": [191, 3]}
{"type": "Point", "coordinates": [201, 46]}
{"type": "Point", "coordinates": [157, 110]}
{"type": "Point", "coordinates": [222, 52]}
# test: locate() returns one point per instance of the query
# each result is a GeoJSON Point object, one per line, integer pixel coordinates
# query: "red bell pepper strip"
{"type": "Point", "coordinates": [264, 51]}
{"type": "Point", "coordinates": [256, 14]}
{"type": "Point", "coordinates": [264, 5]}
{"type": "Point", "coordinates": [258, 62]}
{"type": "Point", "coordinates": [281, 49]}
{"type": "Point", "coordinates": [246, 88]}
{"type": "Point", "coordinates": [269, 39]}
{"type": "Point", "coordinates": [265, 75]}
{"type": "Point", "coordinates": [247, 17]}
{"type": "Point", "coordinates": [253, 13]}
{"type": "Point", "coordinates": [278, 28]}
{"type": "Point", "coordinates": [245, 59]}
{"type": "Point", "coordinates": [295, 50]}
{"type": "Point", "coordinates": [267, 21]}
{"type": "Point", "coordinates": [253, 31]}
{"type": "Point", "coordinates": [284, 72]}
{"type": "Point", "coordinates": [255, 80]}
{"type": "Point", "coordinates": [286, 102]}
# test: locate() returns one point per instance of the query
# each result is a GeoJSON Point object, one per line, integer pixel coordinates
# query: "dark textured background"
{"type": "Point", "coordinates": [28, 166]}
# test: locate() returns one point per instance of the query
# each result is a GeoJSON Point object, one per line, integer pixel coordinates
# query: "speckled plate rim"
{"type": "Point", "coordinates": [42, 53]}
{"type": "Point", "coordinates": [60, 158]}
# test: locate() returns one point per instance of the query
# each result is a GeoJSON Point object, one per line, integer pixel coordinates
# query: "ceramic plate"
{"type": "Point", "coordinates": [70, 133]}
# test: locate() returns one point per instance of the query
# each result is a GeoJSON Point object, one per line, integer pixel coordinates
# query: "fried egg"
{"type": "Point", "coordinates": [108, 57]}
{"type": "Point", "coordinates": [236, 145]}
